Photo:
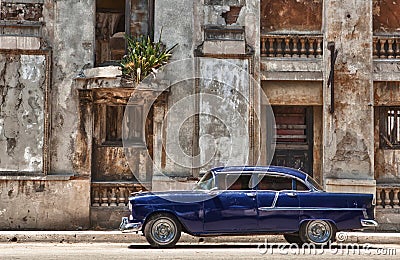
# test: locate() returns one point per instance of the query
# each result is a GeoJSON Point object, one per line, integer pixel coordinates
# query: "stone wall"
{"type": "Point", "coordinates": [348, 131]}
{"type": "Point", "coordinates": [44, 203]}
{"type": "Point", "coordinates": [22, 112]}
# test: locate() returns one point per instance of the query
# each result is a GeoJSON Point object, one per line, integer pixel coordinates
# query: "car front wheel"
{"type": "Point", "coordinates": [162, 230]}
{"type": "Point", "coordinates": [317, 232]}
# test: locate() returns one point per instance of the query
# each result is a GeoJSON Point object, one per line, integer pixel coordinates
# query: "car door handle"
{"type": "Point", "coordinates": [250, 194]}
{"type": "Point", "coordinates": [291, 194]}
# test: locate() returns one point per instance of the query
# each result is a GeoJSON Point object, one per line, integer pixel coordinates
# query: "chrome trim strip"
{"type": "Point", "coordinates": [305, 209]}
{"type": "Point", "coordinates": [369, 223]}
{"type": "Point", "coordinates": [275, 199]}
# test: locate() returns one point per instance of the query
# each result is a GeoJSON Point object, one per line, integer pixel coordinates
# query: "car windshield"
{"type": "Point", "coordinates": [206, 182]}
{"type": "Point", "coordinates": [314, 183]}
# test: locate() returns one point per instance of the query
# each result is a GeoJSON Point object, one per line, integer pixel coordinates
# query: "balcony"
{"type": "Point", "coordinates": [291, 56]}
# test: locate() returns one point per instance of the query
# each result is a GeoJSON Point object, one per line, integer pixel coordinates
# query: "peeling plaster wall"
{"type": "Point", "coordinates": [348, 133]}
{"type": "Point", "coordinates": [183, 22]}
{"type": "Point", "coordinates": [22, 80]}
{"type": "Point", "coordinates": [175, 18]}
{"type": "Point", "coordinates": [35, 202]}
{"type": "Point", "coordinates": [223, 125]}
{"type": "Point", "coordinates": [44, 204]}
{"type": "Point", "coordinates": [73, 45]}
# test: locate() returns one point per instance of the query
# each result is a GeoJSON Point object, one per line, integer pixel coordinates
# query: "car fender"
{"type": "Point", "coordinates": [165, 211]}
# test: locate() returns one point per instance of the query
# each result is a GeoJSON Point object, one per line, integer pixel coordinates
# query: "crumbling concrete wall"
{"type": "Point", "coordinates": [44, 203]}
{"type": "Point", "coordinates": [52, 201]}
{"type": "Point", "coordinates": [72, 45]}
{"type": "Point", "coordinates": [22, 109]}
{"type": "Point", "coordinates": [184, 23]}
{"type": "Point", "coordinates": [348, 132]}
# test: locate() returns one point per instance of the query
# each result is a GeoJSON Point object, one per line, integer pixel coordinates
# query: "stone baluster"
{"type": "Point", "coordinates": [113, 198]}
{"type": "Point", "coordinates": [378, 198]}
{"type": "Point", "coordinates": [96, 197]}
{"type": "Point", "coordinates": [303, 47]}
{"type": "Point", "coordinates": [375, 48]}
{"type": "Point", "coordinates": [104, 198]}
{"type": "Point", "coordinates": [271, 50]}
{"type": "Point", "coordinates": [390, 51]}
{"type": "Point", "coordinates": [295, 50]}
{"type": "Point", "coordinates": [279, 50]}
{"type": "Point", "coordinates": [121, 197]}
{"type": "Point", "coordinates": [382, 52]}
{"type": "Point", "coordinates": [287, 52]}
{"type": "Point", "coordinates": [397, 53]}
{"type": "Point", "coordinates": [318, 53]}
{"type": "Point", "coordinates": [387, 198]}
{"type": "Point", "coordinates": [312, 49]}
{"type": "Point", "coordinates": [396, 198]}
{"type": "Point", "coordinates": [263, 46]}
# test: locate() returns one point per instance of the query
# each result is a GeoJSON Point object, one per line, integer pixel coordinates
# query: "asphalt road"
{"type": "Point", "coordinates": [98, 251]}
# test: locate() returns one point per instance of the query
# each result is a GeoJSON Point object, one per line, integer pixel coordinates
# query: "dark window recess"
{"type": "Point", "coordinates": [131, 129]}
{"type": "Point", "coordinates": [390, 127]}
{"type": "Point", "coordinates": [110, 31]}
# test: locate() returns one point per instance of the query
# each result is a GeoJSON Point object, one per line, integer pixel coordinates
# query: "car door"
{"type": "Point", "coordinates": [233, 208]}
{"type": "Point", "coordinates": [277, 203]}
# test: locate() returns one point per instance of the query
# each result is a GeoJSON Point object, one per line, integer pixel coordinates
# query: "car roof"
{"type": "Point", "coordinates": [278, 169]}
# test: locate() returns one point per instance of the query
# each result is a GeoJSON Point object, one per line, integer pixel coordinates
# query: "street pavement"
{"type": "Point", "coordinates": [100, 251]}
{"type": "Point", "coordinates": [119, 237]}
{"type": "Point", "coordinates": [98, 245]}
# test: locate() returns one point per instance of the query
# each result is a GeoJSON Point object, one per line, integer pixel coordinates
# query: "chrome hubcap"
{"type": "Point", "coordinates": [163, 230]}
{"type": "Point", "coordinates": [319, 231]}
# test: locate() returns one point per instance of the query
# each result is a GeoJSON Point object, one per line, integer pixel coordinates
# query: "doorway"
{"type": "Point", "coordinates": [294, 137]}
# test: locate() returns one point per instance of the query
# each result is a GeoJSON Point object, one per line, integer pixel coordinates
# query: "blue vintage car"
{"type": "Point", "coordinates": [249, 200]}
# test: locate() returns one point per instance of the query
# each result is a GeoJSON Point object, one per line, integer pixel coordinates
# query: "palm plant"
{"type": "Point", "coordinates": [143, 57]}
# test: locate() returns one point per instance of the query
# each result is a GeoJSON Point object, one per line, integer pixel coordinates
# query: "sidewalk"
{"type": "Point", "coordinates": [118, 237]}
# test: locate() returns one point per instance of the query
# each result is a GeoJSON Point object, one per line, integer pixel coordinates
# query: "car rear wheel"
{"type": "Point", "coordinates": [317, 232]}
{"type": "Point", "coordinates": [162, 230]}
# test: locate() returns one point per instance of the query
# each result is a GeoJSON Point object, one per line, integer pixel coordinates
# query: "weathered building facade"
{"type": "Point", "coordinates": [328, 68]}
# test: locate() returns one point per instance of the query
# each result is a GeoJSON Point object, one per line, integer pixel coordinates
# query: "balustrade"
{"type": "Point", "coordinates": [301, 46]}
{"type": "Point", "coordinates": [387, 196]}
{"type": "Point", "coordinates": [386, 47]}
{"type": "Point", "coordinates": [112, 194]}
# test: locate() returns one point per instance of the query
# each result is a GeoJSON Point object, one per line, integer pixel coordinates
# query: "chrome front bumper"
{"type": "Point", "coordinates": [125, 226]}
{"type": "Point", "coordinates": [368, 223]}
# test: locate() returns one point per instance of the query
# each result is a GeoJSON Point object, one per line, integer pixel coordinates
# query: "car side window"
{"type": "Point", "coordinates": [234, 181]}
{"type": "Point", "coordinates": [301, 186]}
{"type": "Point", "coordinates": [274, 182]}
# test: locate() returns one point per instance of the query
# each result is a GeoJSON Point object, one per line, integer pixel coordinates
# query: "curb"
{"type": "Point", "coordinates": [118, 237]}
